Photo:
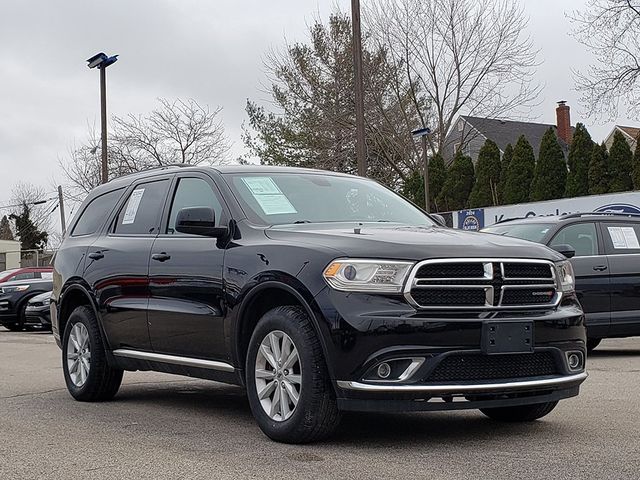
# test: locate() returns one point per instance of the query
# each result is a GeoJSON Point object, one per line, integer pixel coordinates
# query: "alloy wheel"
{"type": "Point", "coordinates": [78, 354]}
{"type": "Point", "coordinates": [278, 375]}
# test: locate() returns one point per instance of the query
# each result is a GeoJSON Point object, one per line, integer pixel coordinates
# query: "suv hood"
{"type": "Point", "coordinates": [408, 243]}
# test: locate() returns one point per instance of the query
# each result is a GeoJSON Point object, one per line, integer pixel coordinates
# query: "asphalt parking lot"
{"type": "Point", "coordinates": [164, 426]}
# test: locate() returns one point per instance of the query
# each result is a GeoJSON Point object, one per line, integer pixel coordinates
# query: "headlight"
{"type": "Point", "coordinates": [17, 288]}
{"type": "Point", "coordinates": [564, 274]}
{"type": "Point", "coordinates": [382, 276]}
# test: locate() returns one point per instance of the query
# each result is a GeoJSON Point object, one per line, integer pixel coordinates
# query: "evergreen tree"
{"type": "Point", "coordinates": [507, 156]}
{"type": "Point", "coordinates": [485, 189]}
{"type": "Point", "coordinates": [550, 177]}
{"type": "Point", "coordinates": [520, 173]}
{"type": "Point", "coordinates": [458, 184]}
{"type": "Point", "coordinates": [598, 170]}
{"type": "Point", "coordinates": [5, 229]}
{"type": "Point", "coordinates": [413, 187]}
{"type": "Point", "coordinates": [578, 162]}
{"type": "Point", "coordinates": [635, 172]}
{"type": "Point", "coordinates": [30, 237]}
{"type": "Point", "coordinates": [620, 158]}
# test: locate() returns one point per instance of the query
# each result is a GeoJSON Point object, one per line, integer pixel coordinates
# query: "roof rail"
{"type": "Point", "coordinates": [586, 214]}
{"type": "Point", "coordinates": [159, 167]}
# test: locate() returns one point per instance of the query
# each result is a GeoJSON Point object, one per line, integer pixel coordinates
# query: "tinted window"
{"type": "Point", "coordinates": [141, 213]}
{"type": "Point", "coordinates": [193, 192]}
{"type": "Point", "coordinates": [94, 214]}
{"type": "Point", "coordinates": [621, 237]}
{"type": "Point", "coordinates": [534, 232]}
{"type": "Point", "coordinates": [24, 276]}
{"type": "Point", "coordinates": [286, 198]}
{"type": "Point", "coordinates": [581, 236]}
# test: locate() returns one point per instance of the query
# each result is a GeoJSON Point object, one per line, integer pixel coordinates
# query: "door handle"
{"type": "Point", "coordinates": [96, 255]}
{"type": "Point", "coordinates": [160, 257]}
{"type": "Point", "coordinates": [600, 268]}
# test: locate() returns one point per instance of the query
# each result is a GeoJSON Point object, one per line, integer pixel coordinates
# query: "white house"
{"type": "Point", "coordinates": [9, 254]}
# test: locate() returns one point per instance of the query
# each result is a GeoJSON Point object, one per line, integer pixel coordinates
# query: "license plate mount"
{"type": "Point", "coordinates": [507, 337]}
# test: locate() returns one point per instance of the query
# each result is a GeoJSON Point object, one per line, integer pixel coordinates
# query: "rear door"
{"type": "Point", "coordinates": [622, 245]}
{"type": "Point", "coordinates": [591, 268]}
{"type": "Point", "coordinates": [186, 307]}
{"type": "Point", "coordinates": [117, 265]}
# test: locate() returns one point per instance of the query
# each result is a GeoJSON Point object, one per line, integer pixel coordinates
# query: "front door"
{"type": "Point", "coordinates": [591, 269]}
{"type": "Point", "coordinates": [186, 305]}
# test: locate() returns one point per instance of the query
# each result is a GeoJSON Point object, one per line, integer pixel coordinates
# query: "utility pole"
{"type": "Point", "coordinates": [63, 223]}
{"type": "Point", "coordinates": [361, 148]}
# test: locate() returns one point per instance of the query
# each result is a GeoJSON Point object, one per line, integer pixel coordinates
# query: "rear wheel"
{"type": "Point", "coordinates": [592, 343]}
{"type": "Point", "coordinates": [288, 385]}
{"type": "Point", "coordinates": [88, 376]}
{"type": "Point", "coordinates": [520, 413]}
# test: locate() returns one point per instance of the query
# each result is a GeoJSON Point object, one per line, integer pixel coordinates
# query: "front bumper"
{"type": "Point", "coordinates": [445, 352]}
{"type": "Point", "coordinates": [38, 316]}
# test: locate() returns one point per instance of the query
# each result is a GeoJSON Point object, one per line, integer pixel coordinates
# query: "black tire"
{"type": "Point", "coordinates": [103, 381]}
{"type": "Point", "coordinates": [18, 325]}
{"type": "Point", "coordinates": [521, 413]}
{"type": "Point", "coordinates": [316, 415]}
{"type": "Point", "coordinates": [592, 343]}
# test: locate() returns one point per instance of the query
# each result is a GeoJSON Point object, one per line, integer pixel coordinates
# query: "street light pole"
{"type": "Point", "coordinates": [102, 61]}
{"type": "Point", "coordinates": [422, 133]}
{"type": "Point", "coordinates": [103, 123]}
{"type": "Point", "coordinates": [361, 152]}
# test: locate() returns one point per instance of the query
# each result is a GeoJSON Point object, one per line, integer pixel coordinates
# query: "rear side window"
{"type": "Point", "coordinates": [621, 237]}
{"type": "Point", "coordinates": [25, 276]}
{"type": "Point", "coordinates": [94, 214]}
{"type": "Point", "coordinates": [142, 210]}
{"type": "Point", "coordinates": [581, 236]}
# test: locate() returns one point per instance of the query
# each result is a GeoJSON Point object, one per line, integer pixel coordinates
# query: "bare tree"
{"type": "Point", "coordinates": [469, 56]}
{"type": "Point", "coordinates": [27, 193]}
{"type": "Point", "coordinates": [610, 29]}
{"type": "Point", "coordinates": [176, 132]}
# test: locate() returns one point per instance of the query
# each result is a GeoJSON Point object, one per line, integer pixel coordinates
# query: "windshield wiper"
{"type": "Point", "coordinates": [301, 221]}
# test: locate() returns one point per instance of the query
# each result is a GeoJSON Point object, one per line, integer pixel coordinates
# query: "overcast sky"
{"type": "Point", "coordinates": [209, 50]}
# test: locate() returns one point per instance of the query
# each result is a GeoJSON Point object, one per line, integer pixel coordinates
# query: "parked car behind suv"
{"type": "Point", "coordinates": [26, 273]}
{"type": "Point", "coordinates": [38, 312]}
{"type": "Point", "coordinates": [606, 260]}
{"type": "Point", "coordinates": [319, 292]}
{"type": "Point", "coordinates": [14, 297]}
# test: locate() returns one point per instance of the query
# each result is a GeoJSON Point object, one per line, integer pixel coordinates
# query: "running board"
{"type": "Point", "coordinates": [174, 360]}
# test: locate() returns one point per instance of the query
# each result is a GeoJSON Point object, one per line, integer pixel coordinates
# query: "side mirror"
{"type": "Point", "coordinates": [439, 219]}
{"type": "Point", "coordinates": [566, 250]}
{"type": "Point", "coordinates": [199, 221]}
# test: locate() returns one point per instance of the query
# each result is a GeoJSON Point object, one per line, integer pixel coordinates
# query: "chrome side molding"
{"type": "Point", "coordinates": [465, 388]}
{"type": "Point", "coordinates": [174, 360]}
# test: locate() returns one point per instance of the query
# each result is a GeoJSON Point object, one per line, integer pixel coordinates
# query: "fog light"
{"type": "Point", "coordinates": [384, 370]}
{"type": "Point", "coordinates": [575, 360]}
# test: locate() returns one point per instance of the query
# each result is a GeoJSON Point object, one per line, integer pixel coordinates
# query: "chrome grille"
{"type": "Point", "coordinates": [482, 284]}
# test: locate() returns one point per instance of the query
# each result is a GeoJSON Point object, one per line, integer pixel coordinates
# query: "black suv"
{"type": "Point", "coordinates": [319, 292]}
{"type": "Point", "coordinates": [14, 298]}
{"type": "Point", "coordinates": [605, 254]}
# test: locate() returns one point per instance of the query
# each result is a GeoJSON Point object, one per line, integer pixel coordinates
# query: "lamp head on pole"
{"type": "Point", "coordinates": [420, 132]}
{"type": "Point", "coordinates": [101, 60]}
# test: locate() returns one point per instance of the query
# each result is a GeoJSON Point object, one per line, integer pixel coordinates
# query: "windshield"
{"type": "Point", "coordinates": [526, 231]}
{"type": "Point", "coordinates": [286, 198]}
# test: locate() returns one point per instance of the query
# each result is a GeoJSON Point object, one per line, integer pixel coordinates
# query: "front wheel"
{"type": "Point", "coordinates": [288, 385]}
{"type": "Point", "coordinates": [88, 376]}
{"type": "Point", "coordinates": [521, 413]}
{"type": "Point", "coordinates": [18, 325]}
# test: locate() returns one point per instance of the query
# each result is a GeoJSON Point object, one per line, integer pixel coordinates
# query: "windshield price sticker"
{"type": "Point", "coordinates": [623, 237]}
{"type": "Point", "coordinates": [270, 198]}
{"type": "Point", "coordinates": [132, 206]}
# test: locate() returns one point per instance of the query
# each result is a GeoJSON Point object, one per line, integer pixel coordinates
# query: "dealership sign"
{"type": "Point", "coordinates": [476, 219]}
